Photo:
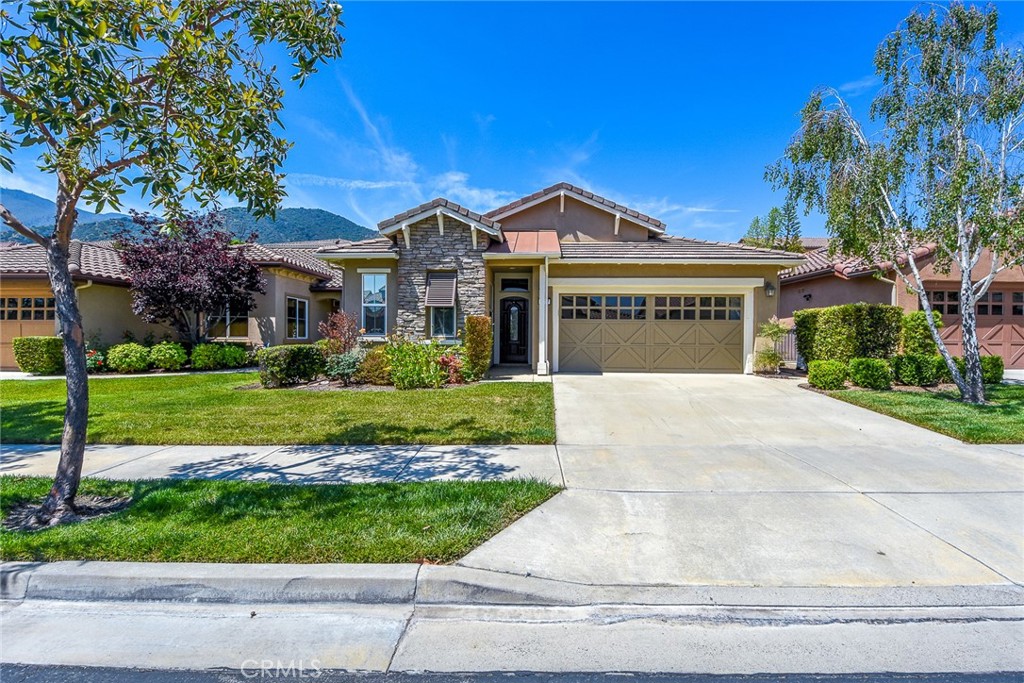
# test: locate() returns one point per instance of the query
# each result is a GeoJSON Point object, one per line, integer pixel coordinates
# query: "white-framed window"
{"type": "Point", "coordinates": [298, 318]}
{"type": "Point", "coordinates": [442, 322]}
{"type": "Point", "coordinates": [229, 324]}
{"type": "Point", "coordinates": [375, 304]}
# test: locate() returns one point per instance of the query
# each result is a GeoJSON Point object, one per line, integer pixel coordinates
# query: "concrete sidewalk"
{"type": "Point", "coordinates": [295, 464]}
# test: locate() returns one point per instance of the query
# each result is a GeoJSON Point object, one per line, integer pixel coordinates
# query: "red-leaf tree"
{"type": "Point", "coordinates": [187, 273]}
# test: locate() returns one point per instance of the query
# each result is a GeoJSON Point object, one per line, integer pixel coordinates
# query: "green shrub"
{"type": "Point", "coordinates": [827, 374]}
{"type": "Point", "coordinates": [233, 356]}
{"type": "Point", "coordinates": [290, 364]}
{"type": "Point", "coordinates": [478, 347]}
{"type": "Point", "coordinates": [168, 356]}
{"type": "Point", "coordinates": [95, 360]}
{"type": "Point", "coordinates": [130, 357]}
{"type": "Point", "coordinates": [805, 323]}
{"type": "Point", "coordinates": [992, 368]}
{"type": "Point", "coordinates": [848, 331]}
{"type": "Point", "coordinates": [414, 365]}
{"type": "Point", "coordinates": [767, 360]}
{"type": "Point", "coordinates": [871, 373]}
{"type": "Point", "coordinates": [207, 356]}
{"type": "Point", "coordinates": [343, 366]}
{"type": "Point", "coordinates": [374, 369]}
{"type": "Point", "coordinates": [915, 335]}
{"type": "Point", "coordinates": [39, 355]}
{"type": "Point", "coordinates": [917, 370]}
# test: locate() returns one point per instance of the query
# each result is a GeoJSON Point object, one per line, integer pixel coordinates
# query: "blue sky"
{"type": "Point", "coordinates": [671, 108]}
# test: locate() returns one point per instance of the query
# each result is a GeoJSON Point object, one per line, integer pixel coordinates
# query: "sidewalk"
{"type": "Point", "coordinates": [294, 464]}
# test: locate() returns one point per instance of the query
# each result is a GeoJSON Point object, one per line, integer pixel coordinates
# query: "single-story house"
{"type": "Point", "coordinates": [301, 291]}
{"type": "Point", "coordinates": [825, 280]}
{"type": "Point", "coordinates": [571, 280]}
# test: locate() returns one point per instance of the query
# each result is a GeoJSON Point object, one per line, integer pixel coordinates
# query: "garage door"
{"type": "Point", "coordinates": [26, 313]}
{"type": "Point", "coordinates": [650, 333]}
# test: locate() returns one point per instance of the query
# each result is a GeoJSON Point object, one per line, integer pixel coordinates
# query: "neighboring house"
{"type": "Point", "coordinates": [828, 281]}
{"type": "Point", "coordinates": [572, 281]}
{"type": "Point", "coordinates": [302, 290]}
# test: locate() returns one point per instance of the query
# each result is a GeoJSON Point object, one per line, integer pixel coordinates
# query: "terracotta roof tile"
{"type": "Point", "coordinates": [670, 248]}
{"type": "Point", "coordinates": [433, 204]}
{"type": "Point", "coordinates": [527, 242]}
{"type": "Point", "coordinates": [85, 259]}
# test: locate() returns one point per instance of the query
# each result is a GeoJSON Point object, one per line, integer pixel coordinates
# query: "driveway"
{"type": "Point", "coordinates": [725, 480]}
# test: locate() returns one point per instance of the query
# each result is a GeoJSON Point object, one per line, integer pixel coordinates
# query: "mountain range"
{"type": "Point", "coordinates": [290, 225]}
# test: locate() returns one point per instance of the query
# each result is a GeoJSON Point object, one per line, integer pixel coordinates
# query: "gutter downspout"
{"type": "Point", "coordinates": [87, 285]}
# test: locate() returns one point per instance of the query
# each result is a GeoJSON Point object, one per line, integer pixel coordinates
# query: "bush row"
{"type": "Point", "coordinates": [919, 370]}
{"type": "Point", "coordinates": [45, 356]}
{"type": "Point", "coordinates": [401, 362]}
{"type": "Point", "coordinates": [848, 331]}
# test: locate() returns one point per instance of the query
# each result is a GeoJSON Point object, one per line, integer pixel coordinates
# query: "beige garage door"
{"type": "Point", "coordinates": [24, 313]}
{"type": "Point", "coordinates": [655, 333]}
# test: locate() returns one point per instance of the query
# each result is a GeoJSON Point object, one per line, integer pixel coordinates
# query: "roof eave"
{"type": "Point", "coordinates": [586, 200]}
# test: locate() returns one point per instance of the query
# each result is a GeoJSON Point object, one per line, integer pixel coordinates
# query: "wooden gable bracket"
{"type": "Point", "coordinates": [405, 234]}
{"type": "Point", "coordinates": [472, 231]}
{"type": "Point", "coordinates": [561, 196]}
{"type": "Point", "coordinates": [440, 221]}
{"type": "Point", "coordinates": [617, 218]}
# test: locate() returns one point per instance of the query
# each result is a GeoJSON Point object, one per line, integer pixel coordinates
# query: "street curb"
{"type": "Point", "coordinates": [435, 585]}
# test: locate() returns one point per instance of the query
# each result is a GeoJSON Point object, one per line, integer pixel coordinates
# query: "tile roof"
{"type": "Point", "coordinates": [305, 244]}
{"type": "Point", "coordinates": [632, 214]}
{"type": "Point", "coordinates": [440, 202]}
{"type": "Point", "coordinates": [374, 245]}
{"type": "Point", "coordinates": [809, 243]}
{"type": "Point", "coordinates": [85, 259]}
{"type": "Point", "coordinates": [100, 261]}
{"type": "Point", "coordinates": [668, 247]}
{"type": "Point", "coordinates": [527, 242]}
{"type": "Point", "coordinates": [820, 263]}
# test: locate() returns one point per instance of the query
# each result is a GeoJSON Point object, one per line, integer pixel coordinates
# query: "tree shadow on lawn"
{"type": "Point", "coordinates": [35, 422]}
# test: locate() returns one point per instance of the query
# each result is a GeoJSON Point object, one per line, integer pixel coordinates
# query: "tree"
{"type": "Point", "coordinates": [942, 171]}
{"type": "Point", "coordinates": [780, 229]}
{"type": "Point", "coordinates": [172, 98]}
{"type": "Point", "coordinates": [188, 273]}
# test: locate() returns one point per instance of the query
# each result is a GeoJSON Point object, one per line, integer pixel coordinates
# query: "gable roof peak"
{"type": "Point", "coordinates": [582, 194]}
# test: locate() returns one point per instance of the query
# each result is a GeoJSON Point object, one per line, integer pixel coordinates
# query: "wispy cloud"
{"type": "Point", "coordinates": [455, 186]}
{"type": "Point", "coordinates": [312, 179]}
{"type": "Point", "coordinates": [860, 86]}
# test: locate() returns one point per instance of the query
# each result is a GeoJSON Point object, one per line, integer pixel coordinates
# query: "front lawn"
{"type": "Point", "coordinates": [1000, 422]}
{"type": "Point", "coordinates": [213, 409]}
{"type": "Point", "coordinates": [234, 521]}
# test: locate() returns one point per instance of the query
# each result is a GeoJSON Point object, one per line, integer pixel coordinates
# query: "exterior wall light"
{"type": "Point", "coordinates": [769, 289]}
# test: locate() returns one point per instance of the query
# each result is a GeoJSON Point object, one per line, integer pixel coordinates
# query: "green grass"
{"type": "Point", "coordinates": [1000, 422]}
{"type": "Point", "coordinates": [211, 409]}
{"type": "Point", "coordinates": [232, 521]}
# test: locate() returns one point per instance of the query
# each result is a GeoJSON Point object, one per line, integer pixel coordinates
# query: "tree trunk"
{"type": "Point", "coordinates": [973, 390]}
{"type": "Point", "coordinates": [59, 504]}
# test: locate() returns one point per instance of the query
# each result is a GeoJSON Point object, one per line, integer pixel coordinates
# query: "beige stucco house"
{"type": "Point", "coordinates": [571, 280]}
{"type": "Point", "coordinates": [828, 280]}
{"type": "Point", "coordinates": [301, 291]}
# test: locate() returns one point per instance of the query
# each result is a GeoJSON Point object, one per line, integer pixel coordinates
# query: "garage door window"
{"type": "Point", "coordinates": [603, 307]}
{"type": "Point", "coordinates": [28, 308]}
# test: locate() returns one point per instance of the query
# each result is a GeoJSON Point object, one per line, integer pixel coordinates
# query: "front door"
{"type": "Point", "coordinates": [515, 332]}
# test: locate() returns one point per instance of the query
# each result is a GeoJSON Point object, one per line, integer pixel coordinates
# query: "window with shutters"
{"type": "Point", "coordinates": [440, 302]}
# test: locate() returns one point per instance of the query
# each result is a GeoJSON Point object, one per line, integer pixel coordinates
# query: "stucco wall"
{"type": "Point", "coordinates": [352, 287]}
{"type": "Point", "coordinates": [830, 290]}
{"type": "Point", "coordinates": [580, 222]}
{"type": "Point", "coordinates": [107, 315]}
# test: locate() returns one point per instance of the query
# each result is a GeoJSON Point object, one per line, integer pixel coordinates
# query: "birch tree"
{"type": "Point", "coordinates": [171, 98]}
{"type": "Point", "coordinates": [937, 169]}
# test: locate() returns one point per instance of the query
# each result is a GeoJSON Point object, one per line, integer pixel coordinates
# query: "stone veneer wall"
{"type": "Point", "coordinates": [429, 250]}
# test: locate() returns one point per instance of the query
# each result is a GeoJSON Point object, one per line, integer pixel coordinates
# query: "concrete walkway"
{"type": "Point", "coordinates": [295, 464]}
{"type": "Point", "coordinates": [745, 481]}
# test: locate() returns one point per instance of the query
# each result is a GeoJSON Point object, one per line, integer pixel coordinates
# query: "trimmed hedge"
{"type": "Point", "coordinates": [916, 336]}
{"type": "Point", "coordinates": [919, 370]}
{"type": "Point", "coordinates": [290, 364]}
{"type": "Point", "coordinates": [233, 356]}
{"type": "Point", "coordinates": [828, 374]}
{"type": "Point", "coordinates": [848, 331]}
{"type": "Point", "coordinates": [130, 357]}
{"type": "Point", "coordinates": [168, 356]}
{"type": "Point", "coordinates": [478, 346]}
{"type": "Point", "coordinates": [207, 357]}
{"type": "Point", "coordinates": [871, 373]}
{"type": "Point", "coordinates": [39, 355]}
{"type": "Point", "coordinates": [992, 369]}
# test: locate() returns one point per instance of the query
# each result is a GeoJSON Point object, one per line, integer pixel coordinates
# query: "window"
{"type": "Point", "coordinates": [442, 322]}
{"type": "Point", "coordinates": [515, 284]}
{"type": "Point", "coordinates": [945, 301]}
{"type": "Point", "coordinates": [591, 307]}
{"type": "Point", "coordinates": [229, 323]}
{"type": "Point", "coordinates": [298, 318]}
{"type": "Point", "coordinates": [375, 304]}
{"type": "Point", "coordinates": [28, 308]}
{"type": "Point", "coordinates": [1018, 304]}
{"type": "Point", "coordinates": [698, 308]}
{"type": "Point", "coordinates": [990, 303]}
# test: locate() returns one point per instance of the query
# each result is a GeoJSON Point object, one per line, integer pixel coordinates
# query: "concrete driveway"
{"type": "Point", "coordinates": [726, 480]}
